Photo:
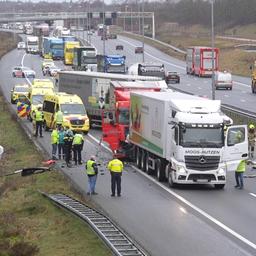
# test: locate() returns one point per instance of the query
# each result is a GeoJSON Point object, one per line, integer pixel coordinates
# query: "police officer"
{"type": "Point", "coordinates": [115, 167]}
{"type": "Point", "coordinates": [68, 139]}
{"type": "Point", "coordinates": [92, 171]}
{"type": "Point", "coordinates": [39, 117]}
{"type": "Point", "coordinates": [78, 143]}
{"type": "Point", "coordinates": [58, 118]}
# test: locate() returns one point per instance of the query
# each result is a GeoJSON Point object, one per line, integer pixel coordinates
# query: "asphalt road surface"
{"type": "Point", "coordinates": [190, 220]}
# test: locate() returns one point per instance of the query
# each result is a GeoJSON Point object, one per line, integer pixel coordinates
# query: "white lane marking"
{"type": "Point", "coordinates": [177, 66]}
{"type": "Point", "coordinates": [226, 95]}
{"type": "Point", "coordinates": [185, 201]}
{"type": "Point", "coordinates": [242, 100]}
{"type": "Point", "coordinates": [22, 64]}
{"type": "Point", "coordinates": [241, 84]}
{"type": "Point", "coordinates": [199, 87]}
{"type": "Point", "coordinates": [188, 84]}
{"type": "Point", "coordinates": [252, 194]}
{"type": "Point", "coordinates": [183, 209]}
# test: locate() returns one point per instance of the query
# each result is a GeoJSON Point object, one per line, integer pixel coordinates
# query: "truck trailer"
{"type": "Point", "coordinates": [94, 89]}
{"type": "Point", "coordinates": [180, 138]}
{"type": "Point", "coordinates": [111, 64]}
{"type": "Point", "coordinates": [199, 61]}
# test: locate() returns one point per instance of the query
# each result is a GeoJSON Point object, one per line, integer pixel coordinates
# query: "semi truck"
{"type": "Point", "coordinates": [54, 47]}
{"type": "Point", "coordinates": [147, 69]}
{"type": "Point", "coordinates": [180, 138]}
{"type": "Point", "coordinates": [93, 88]}
{"type": "Point", "coordinates": [32, 44]}
{"type": "Point", "coordinates": [85, 58]}
{"type": "Point", "coordinates": [69, 52]}
{"type": "Point", "coordinates": [41, 30]}
{"type": "Point", "coordinates": [199, 61]}
{"type": "Point", "coordinates": [111, 63]}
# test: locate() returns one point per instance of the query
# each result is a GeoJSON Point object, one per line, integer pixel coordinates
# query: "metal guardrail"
{"type": "Point", "coordinates": [117, 240]}
{"type": "Point", "coordinates": [159, 42]}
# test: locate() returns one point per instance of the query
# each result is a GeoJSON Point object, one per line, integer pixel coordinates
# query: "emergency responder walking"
{"type": "Point", "coordinates": [68, 139]}
{"type": "Point", "coordinates": [78, 143]}
{"type": "Point", "coordinates": [115, 167]}
{"type": "Point", "coordinates": [39, 118]}
{"type": "Point", "coordinates": [54, 141]}
{"type": "Point", "coordinates": [92, 171]}
{"type": "Point", "coordinates": [58, 119]}
{"type": "Point", "coordinates": [239, 174]}
{"type": "Point", "coordinates": [252, 140]}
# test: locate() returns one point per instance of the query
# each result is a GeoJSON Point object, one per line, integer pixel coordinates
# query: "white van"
{"type": "Point", "coordinates": [223, 80]}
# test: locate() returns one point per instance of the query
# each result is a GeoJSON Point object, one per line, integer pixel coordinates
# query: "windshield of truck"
{"type": "Point", "coordinates": [57, 46]}
{"type": "Point", "coordinates": [32, 43]}
{"type": "Point", "coordinates": [123, 117]}
{"type": "Point", "coordinates": [73, 109]}
{"type": "Point", "coordinates": [37, 99]}
{"type": "Point", "coordinates": [201, 137]}
{"type": "Point", "coordinates": [21, 89]}
{"type": "Point", "coordinates": [69, 50]}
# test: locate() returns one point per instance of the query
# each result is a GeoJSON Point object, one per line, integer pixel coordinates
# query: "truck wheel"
{"type": "Point", "coordinates": [219, 186]}
{"type": "Point", "coordinates": [143, 160]}
{"type": "Point", "coordinates": [138, 156]}
{"type": "Point", "coordinates": [170, 180]}
{"type": "Point", "coordinates": [148, 169]}
{"type": "Point", "coordinates": [159, 170]}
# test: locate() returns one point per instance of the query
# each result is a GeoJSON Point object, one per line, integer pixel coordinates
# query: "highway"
{"type": "Point", "coordinates": [190, 220]}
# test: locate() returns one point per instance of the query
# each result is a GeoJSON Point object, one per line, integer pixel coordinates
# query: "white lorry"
{"type": "Point", "coordinates": [181, 138]}
{"type": "Point", "coordinates": [223, 80]}
{"type": "Point", "coordinates": [32, 44]}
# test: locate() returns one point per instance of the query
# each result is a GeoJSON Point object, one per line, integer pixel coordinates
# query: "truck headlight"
{"type": "Point", "coordinates": [181, 169]}
{"type": "Point", "coordinates": [221, 171]}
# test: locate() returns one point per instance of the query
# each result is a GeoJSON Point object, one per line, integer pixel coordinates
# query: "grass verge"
{"type": "Point", "coordinates": [30, 224]}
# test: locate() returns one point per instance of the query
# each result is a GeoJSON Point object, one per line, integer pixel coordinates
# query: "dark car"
{"type": "Point", "coordinates": [139, 49]}
{"type": "Point", "coordinates": [112, 36]}
{"type": "Point", "coordinates": [119, 47]}
{"type": "Point", "coordinates": [172, 77]}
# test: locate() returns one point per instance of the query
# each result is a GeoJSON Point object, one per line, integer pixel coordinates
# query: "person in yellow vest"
{"type": "Point", "coordinates": [58, 119]}
{"type": "Point", "coordinates": [92, 172]}
{"type": "Point", "coordinates": [39, 118]}
{"type": "Point", "coordinates": [115, 167]}
{"type": "Point", "coordinates": [77, 145]}
{"type": "Point", "coordinates": [252, 140]}
{"type": "Point", "coordinates": [239, 174]}
{"type": "Point", "coordinates": [54, 141]}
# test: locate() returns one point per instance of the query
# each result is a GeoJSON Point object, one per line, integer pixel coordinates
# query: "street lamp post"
{"type": "Point", "coordinates": [213, 60]}
{"type": "Point", "coordinates": [143, 33]}
{"type": "Point", "coordinates": [104, 33]}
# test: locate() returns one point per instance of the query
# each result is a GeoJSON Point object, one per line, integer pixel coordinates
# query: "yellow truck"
{"type": "Point", "coordinates": [253, 76]}
{"type": "Point", "coordinates": [36, 97]}
{"type": "Point", "coordinates": [72, 107]}
{"type": "Point", "coordinates": [69, 52]}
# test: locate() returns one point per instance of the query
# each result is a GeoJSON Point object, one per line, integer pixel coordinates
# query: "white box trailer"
{"type": "Point", "coordinates": [181, 138]}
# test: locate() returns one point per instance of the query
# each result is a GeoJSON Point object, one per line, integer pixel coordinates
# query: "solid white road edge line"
{"type": "Point", "coordinates": [22, 64]}
{"type": "Point", "coordinates": [177, 66]}
{"type": "Point", "coordinates": [252, 194]}
{"type": "Point", "coordinates": [185, 201]}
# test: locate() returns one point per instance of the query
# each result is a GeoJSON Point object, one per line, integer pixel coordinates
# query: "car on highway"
{"type": "Point", "coordinates": [18, 91]}
{"type": "Point", "coordinates": [223, 80]}
{"type": "Point", "coordinates": [172, 77]}
{"type": "Point", "coordinates": [138, 49]}
{"type": "Point", "coordinates": [119, 47]}
{"type": "Point", "coordinates": [51, 70]}
{"type": "Point", "coordinates": [106, 37]}
{"type": "Point", "coordinates": [21, 45]}
{"type": "Point", "coordinates": [112, 36]}
{"type": "Point", "coordinates": [47, 62]}
{"type": "Point", "coordinates": [90, 32]}
{"type": "Point", "coordinates": [21, 71]}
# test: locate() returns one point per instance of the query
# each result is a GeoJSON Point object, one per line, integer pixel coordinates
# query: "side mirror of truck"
{"type": "Point", "coordinates": [251, 67]}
